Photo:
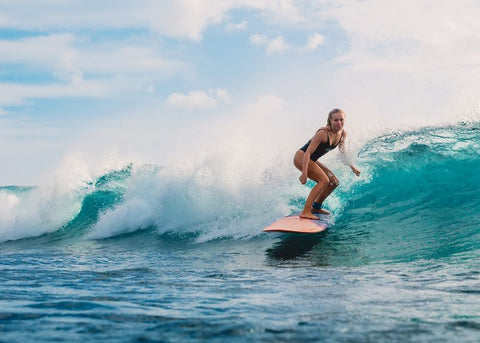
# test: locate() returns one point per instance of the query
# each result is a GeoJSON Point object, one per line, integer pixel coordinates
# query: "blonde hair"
{"type": "Point", "coordinates": [330, 115]}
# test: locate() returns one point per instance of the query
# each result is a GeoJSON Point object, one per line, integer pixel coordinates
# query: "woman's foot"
{"type": "Point", "coordinates": [320, 211]}
{"type": "Point", "coordinates": [317, 208]}
{"type": "Point", "coordinates": [308, 215]}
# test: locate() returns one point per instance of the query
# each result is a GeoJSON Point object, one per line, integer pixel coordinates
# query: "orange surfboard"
{"type": "Point", "coordinates": [295, 224]}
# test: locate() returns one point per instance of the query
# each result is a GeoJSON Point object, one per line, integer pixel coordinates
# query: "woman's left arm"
{"type": "Point", "coordinates": [346, 156]}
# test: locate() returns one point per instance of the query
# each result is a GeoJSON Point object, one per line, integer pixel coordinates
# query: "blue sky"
{"type": "Point", "coordinates": [90, 73]}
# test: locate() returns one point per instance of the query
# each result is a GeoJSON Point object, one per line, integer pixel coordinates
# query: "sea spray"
{"type": "Point", "coordinates": [33, 211]}
{"type": "Point", "coordinates": [208, 201]}
{"type": "Point", "coordinates": [38, 211]}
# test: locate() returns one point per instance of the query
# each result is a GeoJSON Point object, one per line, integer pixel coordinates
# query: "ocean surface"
{"type": "Point", "coordinates": [152, 254]}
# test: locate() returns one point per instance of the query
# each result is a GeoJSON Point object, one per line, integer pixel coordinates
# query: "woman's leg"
{"type": "Point", "coordinates": [331, 185]}
{"type": "Point", "coordinates": [316, 174]}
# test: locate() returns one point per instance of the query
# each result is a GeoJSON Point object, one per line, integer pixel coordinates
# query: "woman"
{"type": "Point", "coordinates": [325, 139]}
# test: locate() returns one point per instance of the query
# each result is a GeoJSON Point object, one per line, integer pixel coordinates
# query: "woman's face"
{"type": "Point", "coordinates": [337, 121]}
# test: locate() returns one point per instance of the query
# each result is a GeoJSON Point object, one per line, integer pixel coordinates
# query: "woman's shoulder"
{"type": "Point", "coordinates": [321, 134]}
{"type": "Point", "coordinates": [323, 129]}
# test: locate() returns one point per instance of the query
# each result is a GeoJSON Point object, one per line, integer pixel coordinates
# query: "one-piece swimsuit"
{"type": "Point", "coordinates": [322, 148]}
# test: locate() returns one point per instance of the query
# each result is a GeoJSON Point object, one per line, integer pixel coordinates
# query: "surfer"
{"type": "Point", "coordinates": [325, 139]}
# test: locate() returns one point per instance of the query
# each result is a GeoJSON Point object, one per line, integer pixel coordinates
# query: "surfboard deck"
{"type": "Point", "coordinates": [294, 224]}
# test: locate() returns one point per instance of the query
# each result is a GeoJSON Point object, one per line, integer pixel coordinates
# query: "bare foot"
{"type": "Point", "coordinates": [320, 211]}
{"type": "Point", "coordinates": [308, 215]}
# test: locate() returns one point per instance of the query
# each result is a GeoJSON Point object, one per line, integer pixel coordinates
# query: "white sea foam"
{"type": "Point", "coordinates": [35, 212]}
{"type": "Point", "coordinates": [45, 208]}
{"type": "Point", "coordinates": [209, 199]}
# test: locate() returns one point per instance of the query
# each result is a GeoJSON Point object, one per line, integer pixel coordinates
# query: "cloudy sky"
{"type": "Point", "coordinates": [150, 75]}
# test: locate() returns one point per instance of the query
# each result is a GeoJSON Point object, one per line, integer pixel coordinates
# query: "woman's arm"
{"type": "Point", "coordinates": [346, 155]}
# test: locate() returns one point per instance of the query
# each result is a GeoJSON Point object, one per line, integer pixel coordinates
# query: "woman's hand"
{"type": "Point", "coordinates": [303, 179]}
{"type": "Point", "coordinates": [355, 170]}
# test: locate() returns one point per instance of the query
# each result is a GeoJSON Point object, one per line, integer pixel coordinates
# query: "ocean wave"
{"type": "Point", "coordinates": [417, 186]}
{"type": "Point", "coordinates": [422, 196]}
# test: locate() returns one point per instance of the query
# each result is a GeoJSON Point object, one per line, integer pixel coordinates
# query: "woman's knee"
{"type": "Point", "coordinates": [333, 181]}
{"type": "Point", "coordinates": [322, 181]}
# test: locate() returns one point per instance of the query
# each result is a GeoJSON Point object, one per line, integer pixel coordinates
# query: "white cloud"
{"type": "Point", "coordinates": [184, 19]}
{"type": "Point", "coordinates": [238, 26]}
{"type": "Point", "coordinates": [273, 103]}
{"type": "Point", "coordinates": [72, 59]}
{"type": "Point", "coordinates": [222, 96]}
{"type": "Point", "coordinates": [314, 41]}
{"type": "Point", "coordinates": [14, 94]}
{"type": "Point", "coordinates": [66, 53]}
{"type": "Point", "coordinates": [277, 45]}
{"type": "Point", "coordinates": [273, 45]}
{"type": "Point", "coordinates": [258, 39]}
{"type": "Point", "coordinates": [126, 59]}
{"type": "Point", "coordinates": [409, 35]}
{"type": "Point", "coordinates": [407, 59]}
{"type": "Point", "coordinates": [54, 53]}
{"type": "Point", "coordinates": [174, 18]}
{"type": "Point", "coordinates": [75, 64]}
{"type": "Point", "coordinates": [198, 99]}
{"type": "Point", "coordinates": [280, 11]}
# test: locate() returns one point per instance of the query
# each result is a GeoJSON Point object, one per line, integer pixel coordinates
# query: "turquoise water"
{"type": "Point", "coordinates": [142, 253]}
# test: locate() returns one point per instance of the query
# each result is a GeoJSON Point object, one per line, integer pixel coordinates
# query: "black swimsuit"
{"type": "Point", "coordinates": [322, 148]}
